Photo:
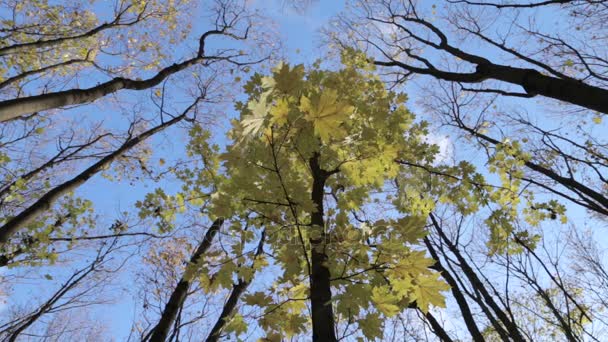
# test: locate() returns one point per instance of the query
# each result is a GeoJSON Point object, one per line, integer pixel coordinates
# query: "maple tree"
{"type": "Point", "coordinates": [300, 135]}
{"type": "Point", "coordinates": [304, 134]}
{"type": "Point", "coordinates": [310, 155]}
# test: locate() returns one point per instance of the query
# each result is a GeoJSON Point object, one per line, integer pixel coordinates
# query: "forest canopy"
{"type": "Point", "coordinates": [366, 170]}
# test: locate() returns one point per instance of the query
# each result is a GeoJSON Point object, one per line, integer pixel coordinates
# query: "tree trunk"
{"type": "Point", "coordinates": [465, 310]}
{"type": "Point", "coordinates": [535, 83]}
{"type": "Point", "coordinates": [45, 44]}
{"type": "Point", "coordinates": [14, 108]}
{"type": "Point", "coordinates": [237, 291]}
{"type": "Point", "coordinates": [438, 328]}
{"type": "Point", "coordinates": [161, 330]}
{"type": "Point", "coordinates": [511, 327]}
{"type": "Point", "coordinates": [320, 285]}
{"type": "Point", "coordinates": [47, 200]}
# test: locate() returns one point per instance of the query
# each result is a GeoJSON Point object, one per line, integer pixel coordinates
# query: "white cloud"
{"type": "Point", "coordinates": [446, 147]}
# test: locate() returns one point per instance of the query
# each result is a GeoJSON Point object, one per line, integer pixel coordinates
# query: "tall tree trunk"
{"type": "Point", "coordinates": [465, 310]}
{"type": "Point", "coordinates": [534, 83]}
{"type": "Point", "coordinates": [511, 327]}
{"type": "Point", "coordinates": [14, 108]}
{"type": "Point", "coordinates": [54, 161]}
{"type": "Point", "coordinates": [320, 284]}
{"type": "Point", "coordinates": [161, 330]}
{"type": "Point", "coordinates": [237, 290]}
{"type": "Point", "coordinates": [596, 200]}
{"type": "Point", "coordinates": [236, 293]}
{"type": "Point", "coordinates": [45, 202]}
{"type": "Point", "coordinates": [438, 328]}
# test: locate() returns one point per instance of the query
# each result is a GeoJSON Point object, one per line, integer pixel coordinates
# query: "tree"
{"type": "Point", "coordinates": [402, 30]}
{"type": "Point", "coordinates": [176, 301]}
{"type": "Point", "coordinates": [31, 186]}
{"type": "Point", "coordinates": [304, 134]}
{"type": "Point", "coordinates": [93, 52]}
{"type": "Point", "coordinates": [228, 20]}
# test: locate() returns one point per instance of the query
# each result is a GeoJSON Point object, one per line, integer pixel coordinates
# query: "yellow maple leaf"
{"type": "Point", "coordinates": [294, 324]}
{"type": "Point", "coordinates": [597, 120]}
{"type": "Point", "coordinates": [327, 114]}
{"type": "Point", "coordinates": [288, 80]}
{"type": "Point", "coordinates": [237, 325]}
{"type": "Point", "coordinates": [279, 112]}
{"type": "Point", "coordinates": [299, 291]}
{"type": "Point", "coordinates": [428, 292]}
{"type": "Point", "coordinates": [371, 326]}
{"type": "Point", "coordinates": [402, 286]}
{"type": "Point", "coordinates": [385, 301]}
{"type": "Point", "coordinates": [414, 263]}
{"type": "Point", "coordinates": [254, 122]}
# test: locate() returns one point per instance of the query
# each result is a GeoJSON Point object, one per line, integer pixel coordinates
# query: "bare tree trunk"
{"type": "Point", "coordinates": [237, 291]}
{"type": "Point", "coordinates": [48, 199]}
{"type": "Point", "coordinates": [161, 330]}
{"type": "Point", "coordinates": [511, 327]}
{"type": "Point", "coordinates": [14, 108]}
{"type": "Point", "coordinates": [465, 310]}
